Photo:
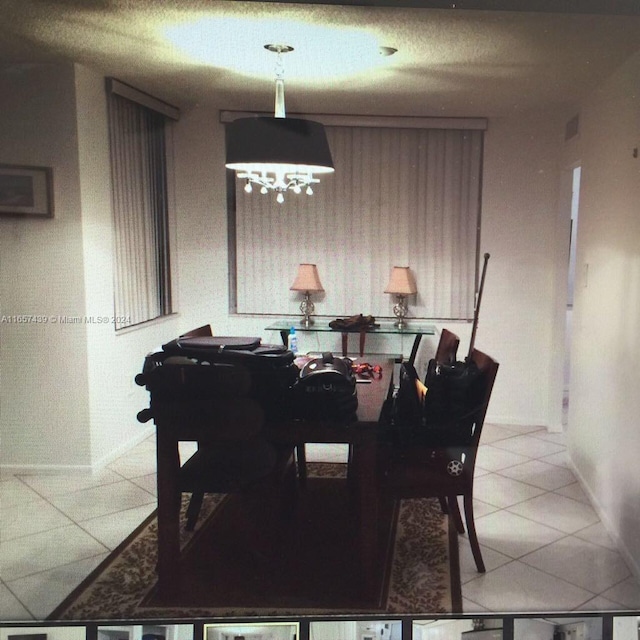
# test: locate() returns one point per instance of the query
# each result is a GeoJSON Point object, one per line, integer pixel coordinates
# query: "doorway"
{"type": "Point", "coordinates": [573, 234]}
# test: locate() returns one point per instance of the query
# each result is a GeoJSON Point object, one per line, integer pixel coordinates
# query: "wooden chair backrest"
{"type": "Point", "coordinates": [204, 330]}
{"type": "Point", "coordinates": [489, 368]}
{"type": "Point", "coordinates": [447, 350]}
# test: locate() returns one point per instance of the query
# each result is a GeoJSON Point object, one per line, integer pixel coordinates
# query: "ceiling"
{"type": "Point", "coordinates": [450, 61]}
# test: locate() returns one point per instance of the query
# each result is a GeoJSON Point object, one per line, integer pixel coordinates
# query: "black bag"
{"type": "Point", "coordinates": [271, 367]}
{"type": "Point", "coordinates": [402, 411]}
{"type": "Point", "coordinates": [454, 393]}
{"type": "Point", "coordinates": [325, 389]}
{"type": "Point", "coordinates": [439, 416]}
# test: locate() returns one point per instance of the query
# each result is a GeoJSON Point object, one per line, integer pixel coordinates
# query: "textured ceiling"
{"type": "Point", "coordinates": [451, 62]}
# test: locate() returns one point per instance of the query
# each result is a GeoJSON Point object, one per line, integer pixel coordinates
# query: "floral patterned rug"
{"type": "Point", "coordinates": [422, 576]}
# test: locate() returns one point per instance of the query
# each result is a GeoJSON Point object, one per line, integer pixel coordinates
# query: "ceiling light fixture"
{"type": "Point", "coordinates": [278, 154]}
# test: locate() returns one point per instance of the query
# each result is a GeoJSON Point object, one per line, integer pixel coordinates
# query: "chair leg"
{"type": "Point", "coordinates": [193, 509]}
{"type": "Point", "coordinates": [443, 505]}
{"type": "Point", "coordinates": [301, 457]}
{"type": "Point", "coordinates": [454, 510]}
{"type": "Point", "coordinates": [473, 537]}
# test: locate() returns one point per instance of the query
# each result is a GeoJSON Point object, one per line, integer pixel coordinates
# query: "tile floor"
{"type": "Point", "coordinates": [544, 546]}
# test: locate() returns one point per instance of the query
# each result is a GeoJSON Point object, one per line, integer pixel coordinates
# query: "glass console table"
{"type": "Point", "coordinates": [412, 328]}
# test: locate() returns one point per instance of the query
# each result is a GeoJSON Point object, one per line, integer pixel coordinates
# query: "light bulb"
{"type": "Point", "coordinates": [296, 189]}
{"type": "Point", "coordinates": [248, 188]}
{"type": "Point", "coordinates": [263, 190]}
{"type": "Point", "coordinates": [309, 191]}
{"type": "Point", "coordinates": [280, 198]}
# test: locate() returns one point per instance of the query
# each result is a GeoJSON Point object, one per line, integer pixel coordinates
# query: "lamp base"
{"type": "Point", "coordinates": [307, 308]}
{"type": "Point", "coordinates": [400, 311]}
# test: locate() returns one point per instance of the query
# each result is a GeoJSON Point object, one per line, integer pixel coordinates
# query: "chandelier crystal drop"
{"type": "Point", "coordinates": [278, 154]}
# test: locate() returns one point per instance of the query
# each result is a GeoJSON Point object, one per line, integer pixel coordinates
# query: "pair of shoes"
{"type": "Point", "coordinates": [353, 323]}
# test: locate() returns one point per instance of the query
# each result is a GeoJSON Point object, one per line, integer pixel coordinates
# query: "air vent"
{"type": "Point", "coordinates": [572, 127]}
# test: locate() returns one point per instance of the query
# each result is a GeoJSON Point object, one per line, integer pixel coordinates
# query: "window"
{"type": "Point", "coordinates": [139, 137]}
{"type": "Point", "coordinates": [400, 195]}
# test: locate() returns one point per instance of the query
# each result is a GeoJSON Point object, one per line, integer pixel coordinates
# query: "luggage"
{"type": "Point", "coordinates": [271, 369]}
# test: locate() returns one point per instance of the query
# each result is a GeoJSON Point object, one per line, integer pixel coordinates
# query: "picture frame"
{"type": "Point", "coordinates": [26, 191]}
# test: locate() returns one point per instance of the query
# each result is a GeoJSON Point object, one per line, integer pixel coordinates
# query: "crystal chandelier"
{"type": "Point", "coordinates": [278, 154]}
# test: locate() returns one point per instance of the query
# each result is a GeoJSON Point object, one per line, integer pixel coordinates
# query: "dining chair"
{"type": "Point", "coordinates": [438, 460]}
{"type": "Point", "coordinates": [199, 332]}
{"type": "Point", "coordinates": [447, 349]}
{"type": "Point", "coordinates": [212, 405]}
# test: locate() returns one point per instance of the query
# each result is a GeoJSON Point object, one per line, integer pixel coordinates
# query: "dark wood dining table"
{"type": "Point", "coordinates": [360, 435]}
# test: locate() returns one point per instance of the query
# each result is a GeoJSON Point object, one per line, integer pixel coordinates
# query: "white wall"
{"type": "Point", "coordinates": [518, 319]}
{"type": "Point", "coordinates": [44, 403]}
{"type": "Point", "coordinates": [604, 438]}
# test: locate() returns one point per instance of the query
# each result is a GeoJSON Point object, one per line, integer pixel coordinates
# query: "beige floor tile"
{"type": "Point", "coordinates": [503, 492]}
{"type": "Point", "coordinates": [25, 556]}
{"type": "Point", "coordinates": [530, 446]}
{"type": "Point", "coordinates": [29, 518]}
{"type": "Point", "coordinates": [597, 534]}
{"type": "Point", "coordinates": [627, 593]}
{"type": "Point", "coordinates": [516, 587]}
{"type": "Point", "coordinates": [491, 458]}
{"type": "Point", "coordinates": [582, 563]}
{"type": "Point", "coordinates": [512, 535]}
{"type": "Point", "coordinates": [148, 483]}
{"type": "Point", "coordinates": [600, 604]}
{"type": "Point", "coordinates": [560, 459]}
{"type": "Point", "coordinates": [111, 530]}
{"type": "Point", "coordinates": [55, 484]}
{"type": "Point", "coordinates": [43, 592]}
{"type": "Point", "coordinates": [99, 501]}
{"type": "Point", "coordinates": [575, 492]}
{"type": "Point", "coordinates": [11, 609]}
{"type": "Point", "coordinates": [13, 492]}
{"type": "Point", "coordinates": [540, 474]}
{"type": "Point", "coordinates": [557, 511]}
{"type": "Point", "coordinates": [493, 433]}
{"type": "Point", "coordinates": [468, 569]}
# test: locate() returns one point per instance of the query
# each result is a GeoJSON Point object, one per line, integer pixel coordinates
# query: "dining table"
{"type": "Point", "coordinates": [359, 433]}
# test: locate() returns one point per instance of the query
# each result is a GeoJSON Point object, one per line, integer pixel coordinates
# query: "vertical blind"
{"type": "Point", "coordinates": [405, 197]}
{"type": "Point", "coordinates": [139, 182]}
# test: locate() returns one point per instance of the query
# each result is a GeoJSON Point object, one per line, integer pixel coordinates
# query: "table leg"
{"type": "Point", "coordinates": [168, 465]}
{"type": "Point", "coordinates": [363, 335]}
{"type": "Point", "coordinates": [345, 337]}
{"type": "Point", "coordinates": [364, 465]}
{"type": "Point", "coordinates": [414, 349]}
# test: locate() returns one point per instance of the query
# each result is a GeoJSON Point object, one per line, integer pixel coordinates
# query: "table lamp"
{"type": "Point", "coordinates": [308, 281]}
{"type": "Point", "coordinates": [402, 284]}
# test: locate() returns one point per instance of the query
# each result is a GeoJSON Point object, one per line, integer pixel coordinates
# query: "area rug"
{"type": "Point", "coordinates": [419, 567]}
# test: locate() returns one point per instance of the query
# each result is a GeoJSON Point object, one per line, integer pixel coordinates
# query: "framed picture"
{"type": "Point", "coordinates": [26, 191]}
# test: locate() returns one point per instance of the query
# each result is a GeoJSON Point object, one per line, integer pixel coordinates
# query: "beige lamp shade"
{"type": "Point", "coordinates": [401, 282]}
{"type": "Point", "coordinates": [307, 279]}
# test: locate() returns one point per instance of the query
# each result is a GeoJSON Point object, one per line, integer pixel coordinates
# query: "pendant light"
{"type": "Point", "coordinates": [278, 154]}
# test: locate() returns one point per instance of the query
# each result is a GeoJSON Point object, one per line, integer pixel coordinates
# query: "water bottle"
{"type": "Point", "coordinates": [293, 341]}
